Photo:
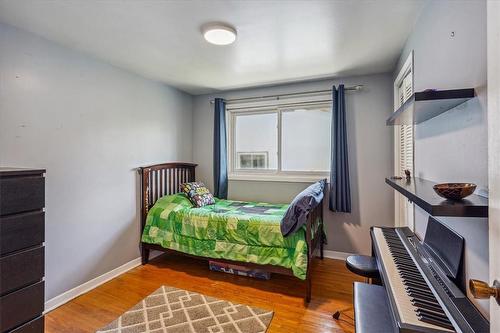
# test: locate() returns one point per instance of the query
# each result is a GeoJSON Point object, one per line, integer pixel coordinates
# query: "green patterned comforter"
{"type": "Point", "coordinates": [233, 230]}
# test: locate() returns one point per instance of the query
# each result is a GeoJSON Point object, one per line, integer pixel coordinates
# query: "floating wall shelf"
{"type": "Point", "coordinates": [422, 106]}
{"type": "Point", "coordinates": [420, 192]}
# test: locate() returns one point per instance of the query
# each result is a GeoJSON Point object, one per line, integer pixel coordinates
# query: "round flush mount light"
{"type": "Point", "coordinates": [219, 33]}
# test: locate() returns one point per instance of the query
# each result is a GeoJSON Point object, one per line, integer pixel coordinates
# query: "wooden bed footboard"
{"type": "Point", "coordinates": [164, 179]}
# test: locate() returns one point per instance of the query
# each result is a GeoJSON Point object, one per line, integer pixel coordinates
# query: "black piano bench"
{"type": "Point", "coordinates": [365, 266]}
{"type": "Point", "coordinates": [371, 309]}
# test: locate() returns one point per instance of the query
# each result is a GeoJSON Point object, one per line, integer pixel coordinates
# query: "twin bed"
{"type": "Point", "coordinates": [236, 232]}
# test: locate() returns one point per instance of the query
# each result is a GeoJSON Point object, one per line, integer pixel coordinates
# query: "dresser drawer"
{"type": "Point", "coordinates": [21, 269]}
{"type": "Point", "coordinates": [21, 306]}
{"type": "Point", "coordinates": [34, 326]}
{"type": "Point", "coordinates": [21, 194]}
{"type": "Point", "coordinates": [20, 231]}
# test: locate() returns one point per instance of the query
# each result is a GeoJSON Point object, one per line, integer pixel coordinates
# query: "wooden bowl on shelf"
{"type": "Point", "coordinates": [454, 191]}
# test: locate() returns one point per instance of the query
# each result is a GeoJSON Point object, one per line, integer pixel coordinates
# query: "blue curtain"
{"type": "Point", "coordinates": [340, 189]}
{"type": "Point", "coordinates": [220, 149]}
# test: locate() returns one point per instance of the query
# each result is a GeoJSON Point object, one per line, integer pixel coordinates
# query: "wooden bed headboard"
{"type": "Point", "coordinates": [162, 179]}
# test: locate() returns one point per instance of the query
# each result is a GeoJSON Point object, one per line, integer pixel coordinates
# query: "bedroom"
{"type": "Point", "coordinates": [91, 92]}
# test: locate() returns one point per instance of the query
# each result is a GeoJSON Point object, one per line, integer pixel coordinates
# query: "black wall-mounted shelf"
{"type": "Point", "coordinates": [420, 192]}
{"type": "Point", "coordinates": [422, 106]}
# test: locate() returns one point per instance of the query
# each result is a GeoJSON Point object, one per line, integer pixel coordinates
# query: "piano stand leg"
{"type": "Point", "coordinates": [336, 315]}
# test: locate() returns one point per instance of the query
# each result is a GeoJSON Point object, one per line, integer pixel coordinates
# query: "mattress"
{"type": "Point", "coordinates": [232, 230]}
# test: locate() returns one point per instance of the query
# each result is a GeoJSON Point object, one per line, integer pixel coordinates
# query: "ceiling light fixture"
{"type": "Point", "coordinates": [219, 33]}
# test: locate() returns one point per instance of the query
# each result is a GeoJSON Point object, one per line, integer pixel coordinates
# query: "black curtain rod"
{"type": "Point", "coordinates": [354, 88]}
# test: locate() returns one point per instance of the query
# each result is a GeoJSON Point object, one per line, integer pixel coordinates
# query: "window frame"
{"type": "Point", "coordinates": [278, 174]}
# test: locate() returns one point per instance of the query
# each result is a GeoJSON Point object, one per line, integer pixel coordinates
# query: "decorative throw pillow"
{"type": "Point", "coordinates": [198, 194]}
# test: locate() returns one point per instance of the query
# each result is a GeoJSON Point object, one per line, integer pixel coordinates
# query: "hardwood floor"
{"type": "Point", "coordinates": [332, 290]}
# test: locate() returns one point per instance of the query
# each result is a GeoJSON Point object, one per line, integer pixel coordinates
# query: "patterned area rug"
{"type": "Point", "coordinates": [172, 310]}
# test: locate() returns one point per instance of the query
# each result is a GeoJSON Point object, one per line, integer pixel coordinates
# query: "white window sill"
{"type": "Point", "coordinates": [278, 178]}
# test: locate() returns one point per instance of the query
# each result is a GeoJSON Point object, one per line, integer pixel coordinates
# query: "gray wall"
{"type": "Point", "coordinates": [453, 146]}
{"type": "Point", "coordinates": [370, 153]}
{"type": "Point", "coordinates": [89, 124]}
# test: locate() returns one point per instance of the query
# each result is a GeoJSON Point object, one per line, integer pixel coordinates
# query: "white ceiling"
{"type": "Point", "coordinates": [278, 41]}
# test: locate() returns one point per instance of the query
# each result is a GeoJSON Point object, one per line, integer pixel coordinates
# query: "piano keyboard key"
{"type": "Point", "coordinates": [434, 322]}
{"type": "Point", "coordinates": [437, 314]}
{"type": "Point", "coordinates": [415, 302]}
{"type": "Point", "coordinates": [426, 305]}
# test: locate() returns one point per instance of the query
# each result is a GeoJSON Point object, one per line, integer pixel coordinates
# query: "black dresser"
{"type": "Point", "coordinates": [22, 233]}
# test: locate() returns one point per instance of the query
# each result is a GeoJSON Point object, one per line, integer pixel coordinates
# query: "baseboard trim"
{"type": "Point", "coordinates": [67, 296]}
{"type": "Point", "coordinates": [336, 254]}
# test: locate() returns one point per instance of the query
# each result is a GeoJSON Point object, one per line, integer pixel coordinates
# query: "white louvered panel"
{"type": "Point", "coordinates": [408, 86]}
{"type": "Point", "coordinates": [405, 91]}
{"type": "Point", "coordinates": [402, 149]}
{"type": "Point", "coordinates": [406, 147]}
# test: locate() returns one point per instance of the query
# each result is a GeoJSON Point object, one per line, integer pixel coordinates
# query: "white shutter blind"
{"type": "Point", "coordinates": [406, 148]}
{"type": "Point", "coordinates": [406, 133]}
{"type": "Point", "coordinates": [403, 90]}
{"type": "Point", "coordinates": [408, 86]}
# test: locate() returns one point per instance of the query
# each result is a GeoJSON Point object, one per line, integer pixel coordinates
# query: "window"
{"type": "Point", "coordinates": [256, 135]}
{"type": "Point", "coordinates": [279, 142]}
{"type": "Point", "coordinates": [305, 143]}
